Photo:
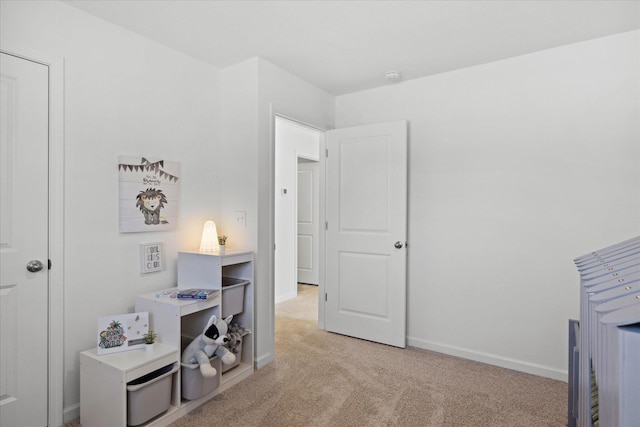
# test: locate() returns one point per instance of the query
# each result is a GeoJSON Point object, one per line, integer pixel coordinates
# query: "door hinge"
{"type": "Point", "coordinates": [325, 297]}
{"type": "Point", "coordinates": [274, 246]}
{"type": "Point", "coordinates": [326, 152]}
{"type": "Point", "coordinates": [49, 265]}
{"type": "Point", "coordinates": [326, 225]}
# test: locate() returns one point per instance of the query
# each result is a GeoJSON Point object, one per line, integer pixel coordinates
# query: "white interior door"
{"type": "Point", "coordinates": [308, 222]}
{"type": "Point", "coordinates": [23, 238]}
{"type": "Point", "coordinates": [366, 232]}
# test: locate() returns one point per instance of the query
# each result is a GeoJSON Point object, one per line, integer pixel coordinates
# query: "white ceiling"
{"type": "Point", "coordinates": [347, 46]}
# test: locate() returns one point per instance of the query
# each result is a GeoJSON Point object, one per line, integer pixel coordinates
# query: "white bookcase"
{"type": "Point", "coordinates": [104, 378]}
{"type": "Point", "coordinates": [176, 321]}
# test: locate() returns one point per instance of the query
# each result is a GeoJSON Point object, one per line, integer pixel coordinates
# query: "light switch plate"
{"type": "Point", "coordinates": [241, 218]}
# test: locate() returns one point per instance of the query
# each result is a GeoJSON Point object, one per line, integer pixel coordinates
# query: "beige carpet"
{"type": "Point", "coordinates": [324, 379]}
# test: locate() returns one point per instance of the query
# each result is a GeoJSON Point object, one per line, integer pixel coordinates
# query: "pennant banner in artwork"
{"type": "Point", "coordinates": [147, 166]}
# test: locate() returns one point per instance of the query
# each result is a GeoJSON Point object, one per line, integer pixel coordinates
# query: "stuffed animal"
{"type": "Point", "coordinates": [208, 343]}
{"type": "Point", "coordinates": [223, 353]}
{"type": "Point", "coordinates": [234, 333]}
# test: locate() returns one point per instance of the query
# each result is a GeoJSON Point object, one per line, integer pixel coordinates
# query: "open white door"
{"type": "Point", "coordinates": [365, 289]}
{"type": "Point", "coordinates": [24, 283]}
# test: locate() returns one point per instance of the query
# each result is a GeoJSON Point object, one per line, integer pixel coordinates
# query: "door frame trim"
{"type": "Point", "coordinates": [276, 110]}
{"type": "Point", "coordinates": [55, 394]}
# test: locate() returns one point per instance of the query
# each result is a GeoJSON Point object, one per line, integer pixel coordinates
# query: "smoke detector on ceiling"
{"type": "Point", "coordinates": [392, 76]}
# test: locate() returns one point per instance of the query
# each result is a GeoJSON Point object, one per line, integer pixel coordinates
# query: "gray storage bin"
{"type": "Point", "coordinates": [149, 395]}
{"type": "Point", "coordinates": [232, 296]}
{"type": "Point", "coordinates": [194, 385]}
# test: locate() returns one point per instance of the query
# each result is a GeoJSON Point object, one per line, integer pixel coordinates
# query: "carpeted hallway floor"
{"type": "Point", "coordinates": [324, 379]}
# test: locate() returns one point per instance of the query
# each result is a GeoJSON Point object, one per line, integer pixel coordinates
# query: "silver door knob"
{"type": "Point", "coordinates": [398, 245]}
{"type": "Point", "coordinates": [34, 266]}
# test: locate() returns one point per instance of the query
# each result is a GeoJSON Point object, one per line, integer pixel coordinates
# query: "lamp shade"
{"type": "Point", "coordinates": [209, 242]}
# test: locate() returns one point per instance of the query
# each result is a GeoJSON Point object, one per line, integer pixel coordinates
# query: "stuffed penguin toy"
{"type": "Point", "coordinates": [207, 344]}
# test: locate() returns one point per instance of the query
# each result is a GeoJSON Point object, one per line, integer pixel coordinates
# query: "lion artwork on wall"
{"type": "Point", "coordinates": [148, 194]}
{"type": "Point", "coordinates": [150, 202]}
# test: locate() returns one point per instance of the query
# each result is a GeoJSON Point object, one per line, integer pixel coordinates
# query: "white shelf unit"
{"type": "Point", "coordinates": [104, 378]}
{"type": "Point", "coordinates": [103, 382]}
{"type": "Point", "coordinates": [173, 318]}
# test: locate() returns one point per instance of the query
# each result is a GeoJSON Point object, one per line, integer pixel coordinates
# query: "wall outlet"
{"type": "Point", "coordinates": [241, 218]}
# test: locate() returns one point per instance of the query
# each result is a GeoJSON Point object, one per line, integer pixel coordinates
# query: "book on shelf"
{"type": "Point", "coordinates": [169, 293]}
{"type": "Point", "coordinates": [197, 293]}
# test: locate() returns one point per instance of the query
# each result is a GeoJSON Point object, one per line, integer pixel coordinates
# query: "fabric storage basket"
{"type": "Point", "coordinates": [194, 385]}
{"type": "Point", "coordinates": [149, 395]}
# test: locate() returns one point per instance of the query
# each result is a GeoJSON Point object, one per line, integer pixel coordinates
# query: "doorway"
{"type": "Point", "coordinates": [296, 207]}
{"type": "Point", "coordinates": [308, 235]}
{"type": "Point", "coordinates": [362, 286]}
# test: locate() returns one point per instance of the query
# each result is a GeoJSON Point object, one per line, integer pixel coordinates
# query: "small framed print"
{"type": "Point", "coordinates": [122, 332]}
{"type": "Point", "coordinates": [151, 257]}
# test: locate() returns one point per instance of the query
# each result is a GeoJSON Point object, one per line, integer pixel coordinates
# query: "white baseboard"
{"type": "Point", "coordinates": [491, 359]}
{"type": "Point", "coordinates": [285, 297]}
{"type": "Point", "coordinates": [264, 360]}
{"type": "Point", "coordinates": [71, 412]}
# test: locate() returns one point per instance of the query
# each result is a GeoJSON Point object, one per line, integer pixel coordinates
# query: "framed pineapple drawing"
{"type": "Point", "coordinates": [122, 332]}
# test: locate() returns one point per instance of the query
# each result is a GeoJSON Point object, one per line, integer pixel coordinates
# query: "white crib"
{"type": "Point", "coordinates": [608, 393]}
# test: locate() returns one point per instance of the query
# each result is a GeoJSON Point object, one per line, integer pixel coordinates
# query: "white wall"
{"type": "Point", "coordinates": [123, 95]}
{"type": "Point", "coordinates": [238, 160]}
{"type": "Point", "coordinates": [291, 141]}
{"type": "Point", "coordinates": [515, 168]}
